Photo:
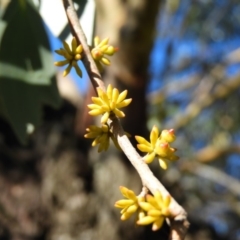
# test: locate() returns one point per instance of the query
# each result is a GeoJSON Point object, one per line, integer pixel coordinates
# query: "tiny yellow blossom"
{"type": "Point", "coordinates": [130, 205]}
{"type": "Point", "coordinates": [101, 48]}
{"type": "Point", "coordinates": [158, 146]}
{"type": "Point", "coordinates": [157, 210]}
{"type": "Point", "coordinates": [71, 55]}
{"type": "Point", "coordinates": [108, 103]}
{"type": "Point", "coordinates": [102, 137]}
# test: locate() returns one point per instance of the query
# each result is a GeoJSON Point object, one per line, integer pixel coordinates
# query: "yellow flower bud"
{"type": "Point", "coordinates": [105, 117]}
{"type": "Point", "coordinates": [60, 52]}
{"type": "Point", "coordinates": [168, 135]}
{"type": "Point", "coordinates": [141, 214]}
{"type": "Point", "coordinates": [104, 48]}
{"type": "Point", "coordinates": [105, 108]}
{"type": "Point", "coordinates": [110, 91]}
{"type": "Point", "coordinates": [163, 163]}
{"type": "Point", "coordinates": [67, 70]}
{"type": "Point", "coordinates": [145, 206]}
{"type": "Point", "coordinates": [77, 68]}
{"type": "Point", "coordinates": [124, 103]}
{"type": "Point", "coordinates": [79, 49]}
{"type": "Point", "coordinates": [157, 224]}
{"type": "Point", "coordinates": [132, 208]}
{"type": "Point", "coordinates": [97, 101]}
{"type": "Point", "coordinates": [119, 113]}
{"type": "Point", "coordinates": [71, 57]}
{"type": "Point", "coordinates": [122, 96]}
{"type": "Point", "coordinates": [96, 41]}
{"type": "Point", "coordinates": [110, 50]}
{"type": "Point", "coordinates": [101, 48]}
{"type": "Point", "coordinates": [77, 57]}
{"type": "Point", "coordinates": [154, 202]}
{"type": "Point", "coordinates": [142, 140]}
{"type": "Point", "coordinates": [95, 112]}
{"type": "Point", "coordinates": [112, 105]}
{"type": "Point", "coordinates": [103, 42]}
{"type": "Point", "coordinates": [67, 48]}
{"type": "Point", "coordinates": [105, 61]}
{"type": "Point", "coordinates": [126, 216]}
{"type": "Point", "coordinates": [154, 135]}
{"type": "Point", "coordinates": [149, 157]}
{"type": "Point", "coordinates": [93, 106]}
{"type": "Point", "coordinates": [162, 149]}
{"type": "Point", "coordinates": [61, 63]}
{"type": "Point", "coordinates": [145, 220]}
{"type": "Point", "coordinates": [144, 148]}
{"type": "Point", "coordinates": [74, 45]}
{"type": "Point", "coordinates": [115, 95]}
{"type": "Point", "coordinates": [123, 203]}
{"type": "Point", "coordinates": [154, 213]}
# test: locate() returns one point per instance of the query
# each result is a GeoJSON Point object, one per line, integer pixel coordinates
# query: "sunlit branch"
{"type": "Point", "coordinates": [179, 221]}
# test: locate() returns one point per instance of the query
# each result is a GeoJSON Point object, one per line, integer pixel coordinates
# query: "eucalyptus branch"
{"type": "Point", "coordinates": [178, 221]}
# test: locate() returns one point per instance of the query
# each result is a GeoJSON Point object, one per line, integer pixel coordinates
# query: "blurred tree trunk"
{"type": "Point", "coordinates": [130, 25]}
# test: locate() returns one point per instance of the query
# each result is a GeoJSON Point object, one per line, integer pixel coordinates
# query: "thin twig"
{"type": "Point", "coordinates": [77, 31]}
{"type": "Point", "coordinates": [179, 221]}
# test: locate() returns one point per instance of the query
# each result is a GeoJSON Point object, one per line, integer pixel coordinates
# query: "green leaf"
{"type": "Point", "coordinates": [27, 73]}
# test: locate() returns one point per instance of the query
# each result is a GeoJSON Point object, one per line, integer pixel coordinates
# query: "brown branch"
{"type": "Point", "coordinates": [179, 215]}
{"type": "Point", "coordinates": [179, 221]}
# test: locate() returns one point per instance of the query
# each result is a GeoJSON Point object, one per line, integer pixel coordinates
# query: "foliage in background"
{"type": "Point", "coordinates": [27, 77]}
{"type": "Point", "coordinates": [196, 66]}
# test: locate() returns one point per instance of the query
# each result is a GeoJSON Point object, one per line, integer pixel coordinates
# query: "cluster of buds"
{"type": "Point", "coordinates": [101, 136]}
{"type": "Point", "coordinates": [100, 50]}
{"type": "Point", "coordinates": [159, 146]}
{"type": "Point", "coordinates": [108, 103]}
{"type": "Point", "coordinates": [130, 205]}
{"type": "Point", "coordinates": [72, 56]}
{"type": "Point", "coordinates": [150, 209]}
{"type": "Point", "coordinates": [157, 209]}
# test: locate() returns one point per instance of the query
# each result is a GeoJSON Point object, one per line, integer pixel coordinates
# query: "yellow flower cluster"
{"type": "Point", "coordinates": [159, 146]}
{"type": "Point", "coordinates": [101, 48]}
{"type": "Point", "coordinates": [150, 210]}
{"type": "Point", "coordinates": [108, 103]}
{"type": "Point", "coordinates": [71, 55]}
{"type": "Point", "coordinates": [102, 137]}
{"type": "Point", "coordinates": [157, 210]}
{"type": "Point", "coordinates": [130, 205]}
